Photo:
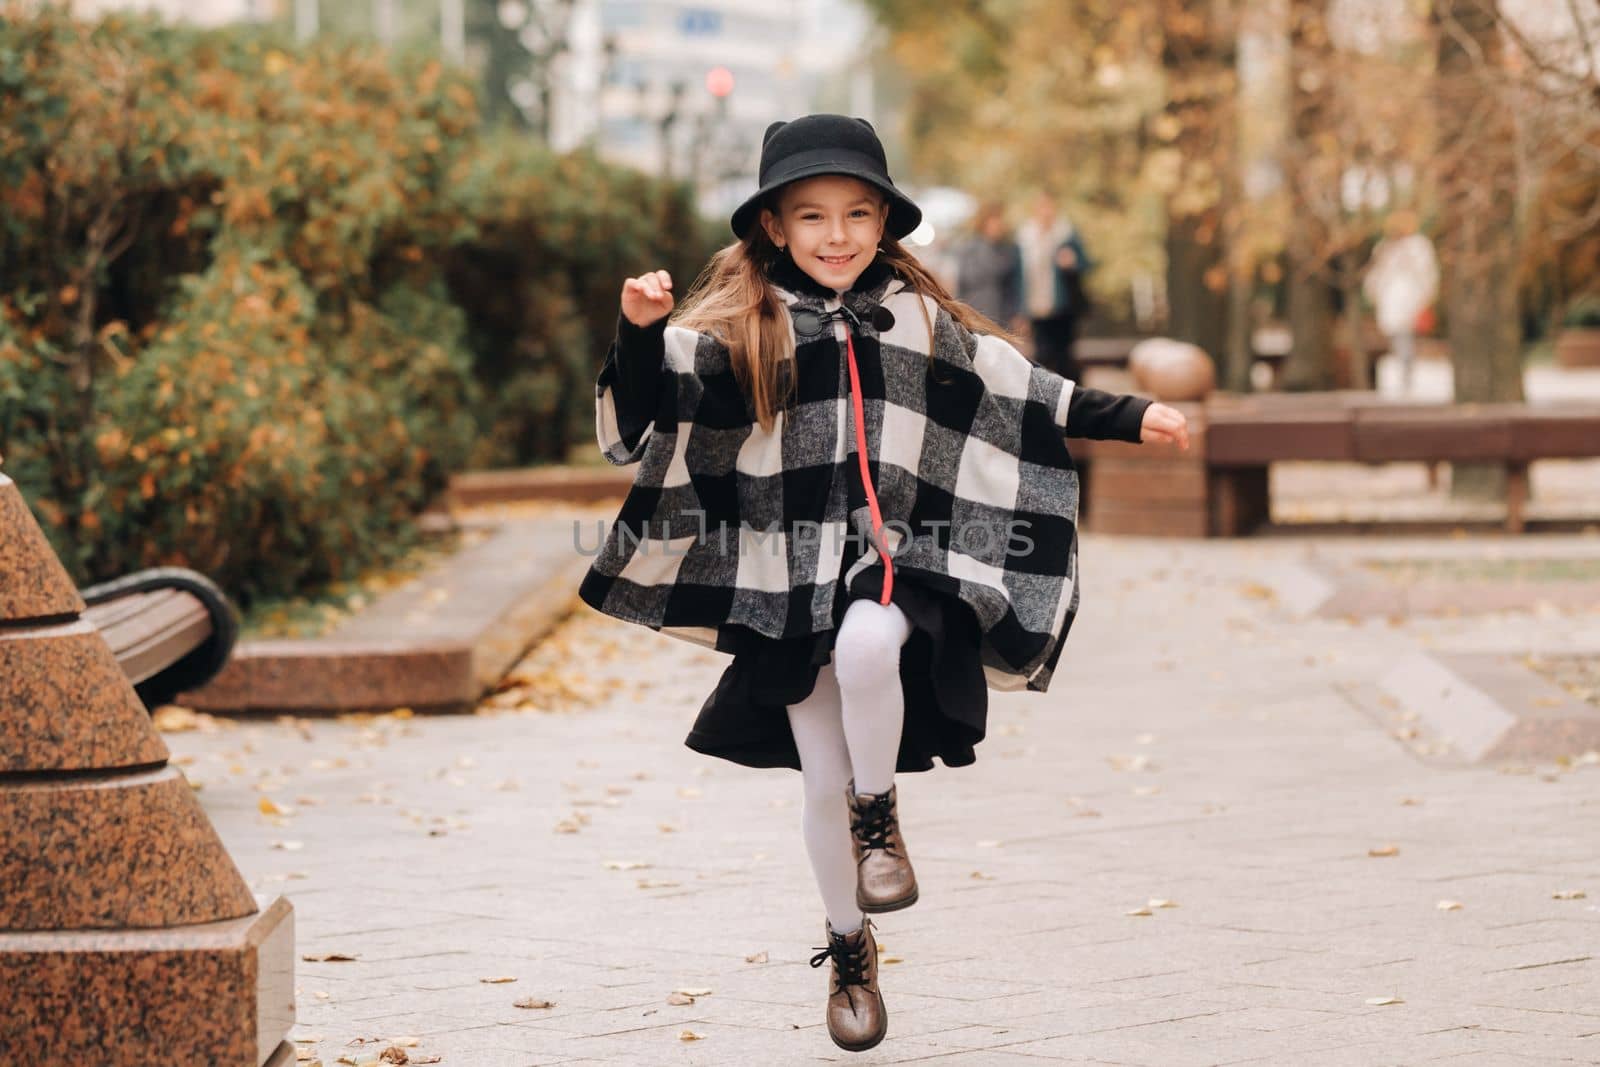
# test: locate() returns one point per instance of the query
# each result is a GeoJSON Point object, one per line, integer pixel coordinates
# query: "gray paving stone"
{"type": "Point", "coordinates": [1261, 791]}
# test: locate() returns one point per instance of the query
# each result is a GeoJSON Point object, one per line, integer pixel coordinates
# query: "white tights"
{"type": "Point", "coordinates": [849, 727]}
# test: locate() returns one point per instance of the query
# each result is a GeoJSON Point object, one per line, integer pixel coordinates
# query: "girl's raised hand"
{"type": "Point", "coordinates": [1163, 423]}
{"type": "Point", "coordinates": [647, 297]}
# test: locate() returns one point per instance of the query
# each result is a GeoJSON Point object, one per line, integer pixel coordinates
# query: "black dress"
{"type": "Point", "coordinates": [745, 719]}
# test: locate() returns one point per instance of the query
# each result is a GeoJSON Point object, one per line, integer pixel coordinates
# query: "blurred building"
{"type": "Point", "coordinates": [203, 12]}
{"type": "Point", "coordinates": [687, 87]}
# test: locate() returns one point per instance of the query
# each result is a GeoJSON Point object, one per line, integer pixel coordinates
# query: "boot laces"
{"type": "Point", "coordinates": [850, 964]}
{"type": "Point", "coordinates": [873, 822]}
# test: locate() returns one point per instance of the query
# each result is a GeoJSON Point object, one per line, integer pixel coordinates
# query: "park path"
{"type": "Point", "coordinates": [1167, 860]}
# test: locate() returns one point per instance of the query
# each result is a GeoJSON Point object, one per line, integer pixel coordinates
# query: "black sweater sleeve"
{"type": "Point", "coordinates": [632, 369]}
{"type": "Point", "coordinates": [1105, 416]}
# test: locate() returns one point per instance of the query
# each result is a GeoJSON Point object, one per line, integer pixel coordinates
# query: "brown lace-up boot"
{"type": "Point", "coordinates": [857, 1019]}
{"type": "Point", "coordinates": [884, 878]}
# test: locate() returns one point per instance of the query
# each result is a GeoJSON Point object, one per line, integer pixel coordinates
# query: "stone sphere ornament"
{"type": "Point", "coordinates": [1172, 370]}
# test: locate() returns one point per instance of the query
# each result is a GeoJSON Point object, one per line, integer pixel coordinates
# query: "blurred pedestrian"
{"type": "Point", "coordinates": [840, 465]}
{"type": "Point", "coordinates": [989, 268]}
{"type": "Point", "coordinates": [1402, 282]}
{"type": "Point", "coordinates": [1054, 264]}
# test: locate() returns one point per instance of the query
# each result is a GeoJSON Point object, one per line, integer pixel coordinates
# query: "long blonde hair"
{"type": "Point", "coordinates": [734, 302]}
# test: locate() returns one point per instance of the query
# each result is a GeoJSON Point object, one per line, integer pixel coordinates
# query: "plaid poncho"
{"type": "Point", "coordinates": [728, 526]}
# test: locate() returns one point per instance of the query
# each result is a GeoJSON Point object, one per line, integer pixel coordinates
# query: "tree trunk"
{"type": "Point", "coordinates": [1197, 311]}
{"type": "Point", "coordinates": [1309, 365]}
{"type": "Point", "coordinates": [1197, 54]}
{"type": "Point", "coordinates": [1478, 231]}
{"type": "Point", "coordinates": [1311, 315]}
{"type": "Point", "coordinates": [1353, 318]}
{"type": "Point", "coordinates": [1234, 374]}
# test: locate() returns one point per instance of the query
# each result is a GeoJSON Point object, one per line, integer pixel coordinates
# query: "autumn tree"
{"type": "Point", "coordinates": [1004, 99]}
{"type": "Point", "coordinates": [1312, 175]}
{"type": "Point", "coordinates": [1477, 188]}
{"type": "Point", "coordinates": [1197, 58]}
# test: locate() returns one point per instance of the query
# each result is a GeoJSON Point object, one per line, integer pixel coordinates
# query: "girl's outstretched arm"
{"type": "Point", "coordinates": [1089, 413]}
{"type": "Point", "coordinates": [1104, 416]}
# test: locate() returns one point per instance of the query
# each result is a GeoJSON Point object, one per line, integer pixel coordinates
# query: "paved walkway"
{"type": "Point", "coordinates": [1193, 850]}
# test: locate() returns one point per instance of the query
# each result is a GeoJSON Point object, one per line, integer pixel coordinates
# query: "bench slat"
{"type": "Point", "coordinates": [160, 651]}
{"type": "Point", "coordinates": [152, 612]}
{"type": "Point", "coordinates": [111, 612]}
{"type": "Point", "coordinates": [1476, 432]}
{"type": "Point", "coordinates": [1235, 439]}
{"type": "Point", "coordinates": [170, 613]}
{"type": "Point", "coordinates": [1556, 433]}
{"type": "Point", "coordinates": [148, 632]}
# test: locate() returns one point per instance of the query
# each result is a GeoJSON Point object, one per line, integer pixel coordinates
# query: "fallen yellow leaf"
{"type": "Point", "coordinates": [1384, 850]}
{"type": "Point", "coordinates": [497, 981]}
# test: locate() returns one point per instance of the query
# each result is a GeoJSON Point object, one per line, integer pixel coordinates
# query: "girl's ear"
{"type": "Point", "coordinates": [774, 228]}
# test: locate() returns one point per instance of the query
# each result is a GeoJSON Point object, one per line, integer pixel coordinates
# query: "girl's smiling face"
{"type": "Point", "coordinates": [831, 225]}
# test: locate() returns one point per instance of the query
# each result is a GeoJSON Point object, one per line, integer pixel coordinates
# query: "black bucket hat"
{"type": "Point", "coordinates": [826, 144]}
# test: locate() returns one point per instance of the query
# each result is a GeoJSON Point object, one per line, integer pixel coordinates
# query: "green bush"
{"type": "Point", "coordinates": [260, 300]}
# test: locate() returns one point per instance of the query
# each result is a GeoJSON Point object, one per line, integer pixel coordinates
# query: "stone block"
{"type": "Point", "coordinates": [65, 704]}
{"type": "Point", "coordinates": [33, 584]}
{"type": "Point", "coordinates": [111, 851]}
{"type": "Point", "coordinates": [127, 935]}
{"type": "Point", "coordinates": [213, 993]}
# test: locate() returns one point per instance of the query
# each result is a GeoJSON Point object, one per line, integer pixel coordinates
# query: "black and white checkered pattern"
{"type": "Point", "coordinates": [717, 527]}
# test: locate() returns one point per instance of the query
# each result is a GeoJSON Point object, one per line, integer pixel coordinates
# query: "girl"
{"type": "Point", "coordinates": [855, 485]}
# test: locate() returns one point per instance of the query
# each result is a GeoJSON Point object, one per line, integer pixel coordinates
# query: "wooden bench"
{"type": "Point", "coordinates": [1220, 488]}
{"type": "Point", "coordinates": [171, 629]}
